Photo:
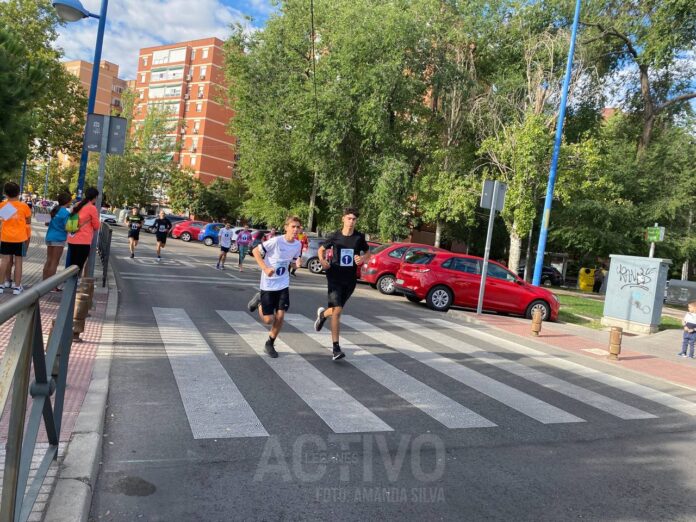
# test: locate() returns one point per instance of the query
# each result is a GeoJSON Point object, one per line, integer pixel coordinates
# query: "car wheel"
{"type": "Point", "coordinates": [546, 281]}
{"type": "Point", "coordinates": [413, 298]}
{"type": "Point", "coordinates": [186, 236]}
{"type": "Point", "coordinates": [386, 284]}
{"type": "Point", "coordinates": [314, 265]}
{"type": "Point", "coordinates": [208, 241]}
{"type": "Point", "coordinates": [538, 305]}
{"type": "Point", "coordinates": [439, 298]}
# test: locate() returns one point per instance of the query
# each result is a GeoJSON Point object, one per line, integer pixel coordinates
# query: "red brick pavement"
{"type": "Point", "coordinates": [561, 336]}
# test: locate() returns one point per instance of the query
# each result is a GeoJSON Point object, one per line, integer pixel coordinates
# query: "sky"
{"type": "Point", "coordinates": [134, 24]}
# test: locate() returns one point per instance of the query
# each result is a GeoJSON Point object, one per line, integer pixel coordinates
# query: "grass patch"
{"type": "Point", "coordinates": [588, 312]}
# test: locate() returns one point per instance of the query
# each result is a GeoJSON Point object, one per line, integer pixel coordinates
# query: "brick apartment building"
{"type": "Point", "coordinates": [109, 88]}
{"type": "Point", "coordinates": [187, 80]}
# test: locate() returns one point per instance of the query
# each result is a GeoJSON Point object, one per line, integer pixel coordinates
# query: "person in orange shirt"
{"type": "Point", "coordinates": [13, 237]}
{"type": "Point", "coordinates": [80, 242]}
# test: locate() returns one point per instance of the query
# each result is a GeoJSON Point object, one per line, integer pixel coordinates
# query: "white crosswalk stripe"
{"type": "Point", "coordinates": [633, 388]}
{"type": "Point", "coordinates": [214, 406]}
{"type": "Point", "coordinates": [441, 408]}
{"type": "Point", "coordinates": [601, 402]}
{"type": "Point", "coordinates": [520, 401]}
{"type": "Point", "coordinates": [339, 410]}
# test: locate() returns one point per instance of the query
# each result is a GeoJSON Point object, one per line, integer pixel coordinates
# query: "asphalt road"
{"type": "Point", "coordinates": [421, 421]}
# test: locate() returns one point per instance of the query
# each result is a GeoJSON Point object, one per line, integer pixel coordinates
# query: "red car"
{"type": "Point", "coordinates": [188, 230]}
{"type": "Point", "coordinates": [444, 279]}
{"type": "Point", "coordinates": [380, 271]}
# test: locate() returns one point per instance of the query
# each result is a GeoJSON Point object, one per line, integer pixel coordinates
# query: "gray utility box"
{"type": "Point", "coordinates": [680, 292]}
{"type": "Point", "coordinates": [635, 291]}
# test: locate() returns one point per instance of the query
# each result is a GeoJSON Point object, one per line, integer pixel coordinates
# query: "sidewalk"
{"type": "Point", "coordinates": [80, 373]}
{"type": "Point", "coordinates": [649, 355]}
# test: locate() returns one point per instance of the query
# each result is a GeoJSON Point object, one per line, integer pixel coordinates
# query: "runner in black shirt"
{"type": "Point", "coordinates": [348, 249]}
{"type": "Point", "coordinates": [162, 227]}
{"type": "Point", "coordinates": [135, 223]}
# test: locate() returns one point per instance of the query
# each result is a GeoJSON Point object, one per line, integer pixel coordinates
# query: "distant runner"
{"type": "Point", "coordinates": [135, 223]}
{"type": "Point", "coordinates": [225, 241]}
{"type": "Point", "coordinates": [243, 241]}
{"type": "Point", "coordinates": [162, 227]}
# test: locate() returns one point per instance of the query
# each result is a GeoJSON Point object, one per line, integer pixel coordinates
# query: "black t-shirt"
{"type": "Point", "coordinates": [162, 226]}
{"type": "Point", "coordinates": [344, 249]}
{"type": "Point", "coordinates": [134, 222]}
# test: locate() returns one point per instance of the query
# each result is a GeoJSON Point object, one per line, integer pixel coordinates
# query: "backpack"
{"type": "Point", "coordinates": [72, 225]}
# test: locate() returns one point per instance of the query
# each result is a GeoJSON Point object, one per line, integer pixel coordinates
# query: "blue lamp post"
{"type": "Point", "coordinates": [72, 11]}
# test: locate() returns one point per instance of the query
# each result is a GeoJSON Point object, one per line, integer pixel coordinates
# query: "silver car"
{"type": "Point", "coordinates": [310, 257]}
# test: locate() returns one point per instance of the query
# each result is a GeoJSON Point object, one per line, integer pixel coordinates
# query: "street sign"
{"type": "Point", "coordinates": [487, 195]}
{"type": "Point", "coordinates": [117, 133]}
{"type": "Point", "coordinates": [656, 234]}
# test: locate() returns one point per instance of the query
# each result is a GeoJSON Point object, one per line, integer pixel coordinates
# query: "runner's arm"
{"type": "Point", "coordinates": [256, 252]}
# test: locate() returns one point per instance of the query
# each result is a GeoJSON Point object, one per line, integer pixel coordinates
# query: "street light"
{"type": "Point", "coordinates": [72, 11]}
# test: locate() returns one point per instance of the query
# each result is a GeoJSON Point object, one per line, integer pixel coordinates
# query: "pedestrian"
{"type": "Point", "coordinates": [243, 241]}
{"type": "Point", "coordinates": [82, 223]}
{"type": "Point", "coordinates": [689, 335]}
{"type": "Point", "coordinates": [15, 218]}
{"type": "Point", "coordinates": [225, 242]}
{"type": "Point", "coordinates": [271, 233]}
{"type": "Point", "coordinates": [162, 227]}
{"type": "Point", "coordinates": [56, 234]}
{"type": "Point", "coordinates": [348, 249]}
{"type": "Point", "coordinates": [273, 299]}
{"type": "Point", "coordinates": [135, 223]}
{"type": "Point", "coordinates": [598, 279]}
{"type": "Point", "coordinates": [304, 241]}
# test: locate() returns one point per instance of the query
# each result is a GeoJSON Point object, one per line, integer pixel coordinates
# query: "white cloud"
{"type": "Point", "coordinates": [134, 24]}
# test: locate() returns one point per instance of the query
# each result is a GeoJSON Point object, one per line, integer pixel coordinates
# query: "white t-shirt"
{"type": "Point", "coordinates": [279, 254]}
{"type": "Point", "coordinates": [225, 237]}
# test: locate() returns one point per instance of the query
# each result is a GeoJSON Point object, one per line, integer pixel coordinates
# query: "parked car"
{"type": "Point", "coordinates": [549, 275]}
{"type": "Point", "coordinates": [445, 279]}
{"type": "Point", "coordinates": [209, 235]}
{"type": "Point", "coordinates": [380, 271]}
{"type": "Point", "coordinates": [149, 223]}
{"type": "Point", "coordinates": [188, 230]}
{"type": "Point", "coordinates": [106, 217]}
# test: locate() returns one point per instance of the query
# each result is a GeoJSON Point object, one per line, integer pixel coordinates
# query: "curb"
{"type": "Point", "coordinates": [71, 498]}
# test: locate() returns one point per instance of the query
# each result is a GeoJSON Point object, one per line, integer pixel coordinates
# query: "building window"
{"type": "Point", "coordinates": [204, 70]}
{"type": "Point", "coordinates": [199, 107]}
{"type": "Point", "coordinates": [200, 91]}
{"type": "Point", "coordinates": [145, 61]}
{"type": "Point", "coordinates": [142, 78]}
{"type": "Point", "coordinates": [141, 94]}
{"type": "Point", "coordinates": [169, 56]}
{"type": "Point", "coordinates": [193, 159]}
{"type": "Point", "coordinates": [187, 106]}
{"type": "Point", "coordinates": [196, 126]}
{"type": "Point", "coordinates": [193, 54]}
{"type": "Point", "coordinates": [205, 53]}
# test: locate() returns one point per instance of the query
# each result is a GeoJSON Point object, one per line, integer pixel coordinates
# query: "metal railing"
{"type": "Point", "coordinates": [104, 249]}
{"type": "Point", "coordinates": [50, 368]}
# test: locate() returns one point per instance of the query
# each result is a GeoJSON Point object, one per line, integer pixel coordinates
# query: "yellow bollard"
{"type": "Point", "coordinates": [536, 322]}
{"type": "Point", "coordinates": [81, 308]}
{"type": "Point", "coordinates": [615, 336]}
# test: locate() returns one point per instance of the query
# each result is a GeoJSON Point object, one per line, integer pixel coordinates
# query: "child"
{"type": "Point", "coordinates": [13, 237]}
{"type": "Point", "coordinates": [689, 337]}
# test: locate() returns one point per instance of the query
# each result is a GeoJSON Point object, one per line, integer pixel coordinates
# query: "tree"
{"type": "Point", "coordinates": [183, 191]}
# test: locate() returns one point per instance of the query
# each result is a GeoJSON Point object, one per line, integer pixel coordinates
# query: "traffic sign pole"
{"type": "Point", "coordinates": [486, 255]}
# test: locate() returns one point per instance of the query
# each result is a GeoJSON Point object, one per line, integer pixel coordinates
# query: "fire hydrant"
{"type": "Point", "coordinates": [615, 336]}
{"type": "Point", "coordinates": [536, 322]}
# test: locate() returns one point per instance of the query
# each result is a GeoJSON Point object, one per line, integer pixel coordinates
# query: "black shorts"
{"type": "Point", "coordinates": [134, 234]}
{"type": "Point", "coordinates": [161, 238]}
{"type": "Point", "coordinates": [340, 292]}
{"type": "Point", "coordinates": [225, 249]}
{"type": "Point", "coordinates": [273, 300]}
{"type": "Point", "coordinates": [12, 249]}
{"type": "Point", "coordinates": [78, 254]}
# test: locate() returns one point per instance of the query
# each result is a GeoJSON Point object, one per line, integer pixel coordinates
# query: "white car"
{"type": "Point", "coordinates": [105, 217]}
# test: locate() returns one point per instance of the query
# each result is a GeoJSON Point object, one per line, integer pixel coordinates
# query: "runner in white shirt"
{"type": "Point", "coordinates": [274, 297]}
{"type": "Point", "coordinates": [225, 241]}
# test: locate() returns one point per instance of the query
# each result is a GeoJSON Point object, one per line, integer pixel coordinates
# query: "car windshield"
{"type": "Point", "coordinates": [379, 249]}
{"type": "Point", "coordinates": [419, 258]}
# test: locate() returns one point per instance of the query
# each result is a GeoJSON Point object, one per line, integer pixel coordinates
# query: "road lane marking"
{"type": "Point", "coordinates": [438, 406]}
{"type": "Point", "coordinates": [601, 402]}
{"type": "Point", "coordinates": [214, 406]}
{"type": "Point", "coordinates": [339, 410]}
{"type": "Point", "coordinates": [515, 399]}
{"type": "Point", "coordinates": [645, 392]}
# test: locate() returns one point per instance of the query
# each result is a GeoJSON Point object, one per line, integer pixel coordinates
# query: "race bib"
{"type": "Point", "coordinates": [162, 228]}
{"type": "Point", "coordinates": [346, 257]}
{"type": "Point", "coordinates": [281, 269]}
{"type": "Point", "coordinates": [134, 225]}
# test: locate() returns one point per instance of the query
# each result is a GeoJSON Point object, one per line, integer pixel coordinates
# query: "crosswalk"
{"type": "Point", "coordinates": [216, 407]}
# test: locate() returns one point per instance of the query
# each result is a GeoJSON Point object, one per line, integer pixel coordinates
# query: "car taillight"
{"type": "Point", "coordinates": [372, 261]}
{"type": "Point", "coordinates": [420, 269]}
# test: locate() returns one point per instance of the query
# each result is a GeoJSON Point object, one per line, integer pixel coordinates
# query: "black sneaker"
{"type": "Point", "coordinates": [132, 256]}
{"type": "Point", "coordinates": [319, 323]}
{"type": "Point", "coordinates": [338, 354]}
{"type": "Point", "coordinates": [254, 302]}
{"type": "Point", "coordinates": [270, 349]}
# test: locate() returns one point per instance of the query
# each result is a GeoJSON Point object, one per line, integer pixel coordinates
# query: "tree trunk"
{"type": "Point", "coordinates": [685, 266]}
{"type": "Point", "coordinates": [648, 111]}
{"type": "Point", "coordinates": [438, 233]}
{"type": "Point", "coordinates": [515, 249]}
{"type": "Point", "coordinates": [312, 202]}
{"type": "Point", "coordinates": [528, 265]}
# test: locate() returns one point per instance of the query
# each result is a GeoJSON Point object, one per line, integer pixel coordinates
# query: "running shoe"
{"type": "Point", "coordinates": [132, 256]}
{"type": "Point", "coordinates": [217, 267]}
{"type": "Point", "coordinates": [159, 259]}
{"type": "Point", "coordinates": [319, 323]}
{"type": "Point", "coordinates": [270, 349]}
{"type": "Point", "coordinates": [16, 290]}
{"type": "Point", "coordinates": [6, 285]}
{"type": "Point", "coordinates": [338, 354]}
{"type": "Point", "coordinates": [254, 302]}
